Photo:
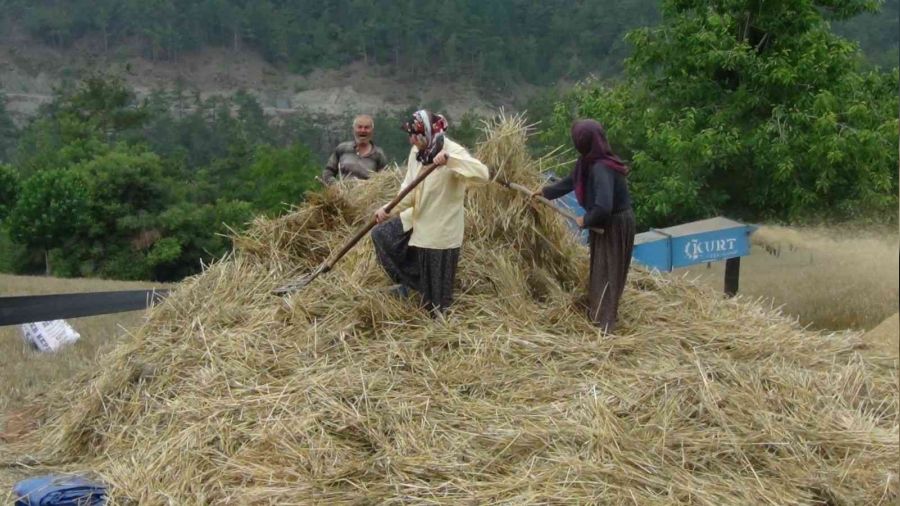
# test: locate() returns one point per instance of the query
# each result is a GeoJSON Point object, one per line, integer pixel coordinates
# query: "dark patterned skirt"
{"type": "Point", "coordinates": [431, 272]}
{"type": "Point", "coordinates": [610, 261]}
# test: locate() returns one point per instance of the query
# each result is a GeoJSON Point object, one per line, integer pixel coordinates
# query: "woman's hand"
{"type": "Point", "coordinates": [580, 221]}
{"type": "Point", "coordinates": [441, 158]}
{"type": "Point", "coordinates": [539, 193]}
{"type": "Point", "coordinates": [381, 215]}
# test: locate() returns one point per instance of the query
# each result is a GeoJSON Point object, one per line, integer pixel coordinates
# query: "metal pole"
{"type": "Point", "coordinates": [732, 275]}
{"type": "Point", "coordinates": [37, 308]}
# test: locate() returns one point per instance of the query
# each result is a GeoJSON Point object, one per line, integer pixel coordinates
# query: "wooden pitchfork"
{"type": "Point", "coordinates": [327, 265]}
{"type": "Point", "coordinates": [528, 193]}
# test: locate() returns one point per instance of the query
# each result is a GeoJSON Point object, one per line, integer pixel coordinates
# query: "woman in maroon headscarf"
{"type": "Point", "coordinates": [600, 183]}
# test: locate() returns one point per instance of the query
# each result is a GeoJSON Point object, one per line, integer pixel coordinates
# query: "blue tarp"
{"type": "Point", "coordinates": [59, 490]}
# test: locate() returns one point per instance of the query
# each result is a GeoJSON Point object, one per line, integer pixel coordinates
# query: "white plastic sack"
{"type": "Point", "coordinates": [49, 336]}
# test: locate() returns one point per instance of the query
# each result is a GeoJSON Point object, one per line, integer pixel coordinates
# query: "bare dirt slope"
{"type": "Point", "coordinates": [29, 71]}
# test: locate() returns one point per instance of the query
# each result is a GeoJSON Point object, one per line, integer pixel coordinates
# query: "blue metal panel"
{"type": "Point", "coordinates": [682, 245]}
{"type": "Point", "coordinates": [710, 246]}
{"type": "Point", "coordinates": [709, 240]}
{"type": "Point", "coordinates": [693, 243]}
{"type": "Point", "coordinates": [653, 249]}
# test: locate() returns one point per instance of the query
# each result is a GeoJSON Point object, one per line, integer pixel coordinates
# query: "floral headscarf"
{"type": "Point", "coordinates": [431, 127]}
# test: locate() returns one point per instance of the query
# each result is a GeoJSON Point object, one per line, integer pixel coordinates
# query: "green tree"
{"type": "Point", "coordinates": [106, 102]}
{"type": "Point", "coordinates": [124, 182]}
{"type": "Point", "coordinates": [501, 41]}
{"type": "Point", "coordinates": [56, 142]}
{"type": "Point", "coordinates": [52, 23]}
{"type": "Point", "coordinates": [9, 190]}
{"type": "Point", "coordinates": [467, 130]}
{"type": "Point", "coordinates": [102, 214]}
{"type": "Point", "coordinates": [127, 190]}
{"type": "Point", "coordinates": [8, 132]}
{"type": "Point", "coordinates": [757, 111]}
{"type": "Point", "coordinates": [51, 211]}
{"type": "Point", "coordinates": [200, 232]}
{"type": "Point", "coordinates": [106, 20]}
{"type": "Point", "coordinates": [97, 154]}
{"type": "Point", "coordinates": [280, 177]}
{"type": "Point", "coordinates": [80, 123]}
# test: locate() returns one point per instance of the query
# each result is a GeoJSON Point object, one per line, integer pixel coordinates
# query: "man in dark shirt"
{"type": "Point", "coordinates": [358, 158]}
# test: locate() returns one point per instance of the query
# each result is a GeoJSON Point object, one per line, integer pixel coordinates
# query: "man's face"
{"type": "Point", "coordinates": [362, 131]}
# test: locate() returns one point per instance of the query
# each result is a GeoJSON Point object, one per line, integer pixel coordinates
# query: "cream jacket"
{"type": "Point", "coordinates": [434, 210]}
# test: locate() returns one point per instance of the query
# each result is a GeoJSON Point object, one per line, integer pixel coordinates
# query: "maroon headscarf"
{"type": "Point", "coordinates": [590, 140]}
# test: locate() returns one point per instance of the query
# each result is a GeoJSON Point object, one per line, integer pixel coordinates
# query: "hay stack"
{"type": "Point", "coordinates": [347, 395]}
{"type": "Point", "coordinates": [885, 338]}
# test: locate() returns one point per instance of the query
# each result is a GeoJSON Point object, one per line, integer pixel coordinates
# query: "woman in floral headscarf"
{"type": "Point", "coordinates": [600, 183]}
{"type": "Point", "coordinates": [419, 249]}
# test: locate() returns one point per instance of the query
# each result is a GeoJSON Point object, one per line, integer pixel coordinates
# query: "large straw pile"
{"type": "Point", "coordinates": [348, 395]}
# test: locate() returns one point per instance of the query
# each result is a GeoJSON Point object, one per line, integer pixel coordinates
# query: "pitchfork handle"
{"type": "Point", "coordinates": [544, 200]}
{"type": "Point", "coordinates": [428, 169]}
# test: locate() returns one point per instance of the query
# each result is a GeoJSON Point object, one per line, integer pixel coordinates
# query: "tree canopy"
{"type": "Point", "coordinates": [103, 184]}
{"type": "Point", "coordinates": [758, 110]}
{"type": "Point", "coordinates": [496, 43]}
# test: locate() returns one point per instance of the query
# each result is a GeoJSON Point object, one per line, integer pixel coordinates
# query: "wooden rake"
{"type": "Point", "coordinates": [301, 281]}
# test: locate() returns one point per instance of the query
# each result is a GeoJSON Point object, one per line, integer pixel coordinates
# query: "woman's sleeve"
{"type": "Point", "coordinates": [465, 165]}
{"type": "Point", "coordinates": [559, 188]}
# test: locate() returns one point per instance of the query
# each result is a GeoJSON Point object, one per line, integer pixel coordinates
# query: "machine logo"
{"type": "Point", "coordinates": [717, 248]}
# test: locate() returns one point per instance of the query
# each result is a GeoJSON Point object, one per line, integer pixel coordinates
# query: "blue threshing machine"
{"type": "Point", "coordinates": [703, 241]}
